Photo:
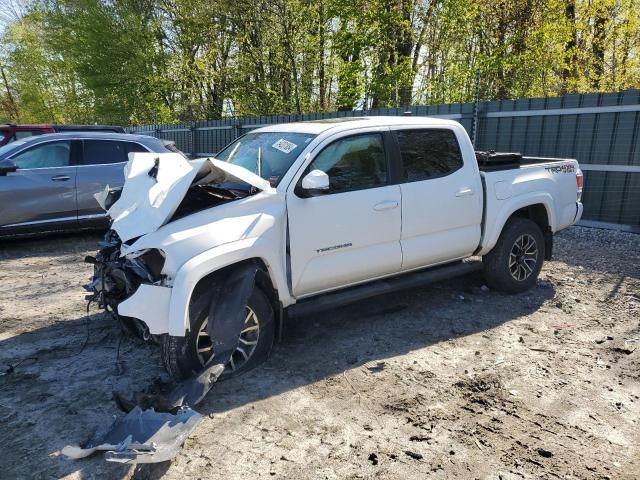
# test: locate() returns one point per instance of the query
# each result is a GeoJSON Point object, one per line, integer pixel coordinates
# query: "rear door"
{"type": "Point", "coordinates": [441, 197]}
{"type": "Point", "coordinates": [40, 194]}
{"type": "Point", "coordinates": [352, 232]}
{"type": "Point", "coordinates": [102, 164]}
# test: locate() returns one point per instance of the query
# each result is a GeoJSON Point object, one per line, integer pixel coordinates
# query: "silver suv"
{"type": "Point", "coordinates": [47, 182]}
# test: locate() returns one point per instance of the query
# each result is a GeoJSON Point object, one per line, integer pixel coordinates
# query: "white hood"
{"type": "Point", "coordinates": [156, 183]}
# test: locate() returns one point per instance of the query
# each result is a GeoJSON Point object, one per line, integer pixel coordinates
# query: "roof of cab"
{"type": "Point", "coordinates": [348, 123]}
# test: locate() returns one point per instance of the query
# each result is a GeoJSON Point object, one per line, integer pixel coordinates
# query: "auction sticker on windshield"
{"type": "Point", "coordinates": [284, 146]}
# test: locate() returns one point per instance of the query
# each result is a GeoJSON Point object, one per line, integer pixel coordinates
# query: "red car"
{"type": "Point", "coordinates": [10, 133]}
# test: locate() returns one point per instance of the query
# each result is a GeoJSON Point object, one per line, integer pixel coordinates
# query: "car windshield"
{"type": "Point", "coordinates": [268, 154]}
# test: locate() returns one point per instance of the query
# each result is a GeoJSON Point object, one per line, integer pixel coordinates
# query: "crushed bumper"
{"type": "Point", "coordinates": [131, 288]}
{"type": "Point", "coordinates": [149, 304]}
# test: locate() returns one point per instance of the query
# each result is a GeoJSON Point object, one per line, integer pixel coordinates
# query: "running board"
{"type": "Point", "coordinates": [349, 295]}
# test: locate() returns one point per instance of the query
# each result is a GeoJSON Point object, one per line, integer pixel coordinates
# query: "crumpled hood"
{"type": "Point", "coordinates": [156, 183]}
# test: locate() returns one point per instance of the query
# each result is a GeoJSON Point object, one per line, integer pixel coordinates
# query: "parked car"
{"type": "Point", "coordinates": [11, 132]}
{"type": "Point", "coordinates": [293, 218]}
{"type": "Point", "coordinates": [47, 182]}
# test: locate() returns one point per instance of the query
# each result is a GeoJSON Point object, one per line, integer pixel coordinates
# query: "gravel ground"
{"type": "Point", "coordinates": [449, 381]}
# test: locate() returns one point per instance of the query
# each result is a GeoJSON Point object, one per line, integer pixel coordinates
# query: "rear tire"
{"type": "Point", "coordinates": [516, 260]}
{"type": "Point", "coordinates": [184, 356]}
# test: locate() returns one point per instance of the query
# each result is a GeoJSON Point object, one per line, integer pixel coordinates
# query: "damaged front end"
{"type": "Point", "coordinates": [136, 275]}
{"type": "Point", "coordinates": [159, 189]}
{"type": "Point", "coordinates": [117, 277]}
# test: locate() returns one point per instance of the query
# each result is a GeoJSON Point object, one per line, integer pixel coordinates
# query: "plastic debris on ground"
{"type": "Point", "coordinates": [155, 426]}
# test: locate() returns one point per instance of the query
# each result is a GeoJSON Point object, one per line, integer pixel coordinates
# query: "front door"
{"type": "Point", "coordinates": [41, 193]}
{"type": "Point", "coordinates": [350, 233]}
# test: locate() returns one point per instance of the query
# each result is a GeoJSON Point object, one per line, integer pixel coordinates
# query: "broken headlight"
{"type": "Point", "coordinates": [147, 265]}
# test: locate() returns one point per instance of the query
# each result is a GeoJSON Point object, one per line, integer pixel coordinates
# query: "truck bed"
{"type": "Point", "coordinates": [492, 161]}
{"type": "Point", "coordinates": [514, 183]}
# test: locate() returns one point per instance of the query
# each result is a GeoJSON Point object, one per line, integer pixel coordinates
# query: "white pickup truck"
{"type": "Point", "coordinates": [207, 257]}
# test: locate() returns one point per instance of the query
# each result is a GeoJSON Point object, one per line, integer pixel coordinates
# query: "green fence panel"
{"type": "Point", "coordinates": [599, 130]}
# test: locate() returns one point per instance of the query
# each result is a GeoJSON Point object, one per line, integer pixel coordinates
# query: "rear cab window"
{"type": "Point", "coordinates": [428, 153]}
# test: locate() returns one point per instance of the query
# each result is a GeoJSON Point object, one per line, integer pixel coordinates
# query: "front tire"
{"type": "Point", "coordinates": [184, 356]}
{"type": "Point", "coordinates": [516, 260]}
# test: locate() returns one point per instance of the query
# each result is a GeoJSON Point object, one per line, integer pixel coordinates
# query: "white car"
{"type": "Point", "coordinates": [208, 256]}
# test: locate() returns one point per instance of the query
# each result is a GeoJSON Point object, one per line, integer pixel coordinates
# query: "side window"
{"type": "Point", "coordinates": [131, 147]}
{"type": "Point", "coordinates": [53, 154]}
{"type": "Point", "coordinates": [428, 153]}
{"type": "Point", "coordinates": [353, 163]}
{"type": "Point", "coordinates": [100, 152]}
{"type": "Point", "coordinates": [21, 135]}
{"type": "Point", "coordinates": [134, 147]}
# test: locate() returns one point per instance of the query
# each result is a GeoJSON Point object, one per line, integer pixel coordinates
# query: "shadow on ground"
{"type": "Point", "coordinates": [61, 392]}
{"type": "Point", "coordinates": [25, 247]}
{"type": "Point", "coordinates": [50, 403]}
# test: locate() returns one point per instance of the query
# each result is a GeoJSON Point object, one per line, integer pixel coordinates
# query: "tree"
{"type": "Point", "coordinates": [163, 61]}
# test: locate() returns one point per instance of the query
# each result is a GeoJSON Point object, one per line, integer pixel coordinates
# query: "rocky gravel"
{"type": "Point", "coordinates": [448, 381]}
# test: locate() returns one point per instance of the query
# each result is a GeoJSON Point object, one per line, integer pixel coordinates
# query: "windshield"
{"type": "Point", "coordinates": [268, 154]}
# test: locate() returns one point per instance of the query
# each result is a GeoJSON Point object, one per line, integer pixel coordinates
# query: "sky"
{"type": "Point", "coordinates": [10, 11]}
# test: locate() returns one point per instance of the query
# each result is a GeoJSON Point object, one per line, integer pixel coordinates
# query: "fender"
{"type": "Point", "coordinates": [508, 208]}
{"type": "Point", "coordinates": [212, 260]}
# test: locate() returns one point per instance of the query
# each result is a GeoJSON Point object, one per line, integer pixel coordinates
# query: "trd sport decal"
{"type": "Point", "coordinates": [566, 168]}
{"type": "Point", "coordinates": [335, 247]}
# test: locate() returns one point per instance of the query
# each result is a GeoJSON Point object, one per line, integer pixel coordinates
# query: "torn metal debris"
{"type": "Point", "coordinates": [189, 392]}
{"type": "Point", "coordinates": [155, 426]}
{"type": "Point", "coordinates": [141, 436]}
{"type": "Point", "coordinates": [156, 184]}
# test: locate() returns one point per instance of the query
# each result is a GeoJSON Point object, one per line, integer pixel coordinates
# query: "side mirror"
{"type": "Point", "coordinates": [6, 166]}
{"type": "Point", "coordinates": [316, 182]}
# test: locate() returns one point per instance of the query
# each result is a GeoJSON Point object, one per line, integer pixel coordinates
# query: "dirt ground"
{"type": "Point", "coordinates": [448, 381]}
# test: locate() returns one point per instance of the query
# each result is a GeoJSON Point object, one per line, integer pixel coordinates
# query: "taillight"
{"type": "Point", "coordinates": [579, 180]}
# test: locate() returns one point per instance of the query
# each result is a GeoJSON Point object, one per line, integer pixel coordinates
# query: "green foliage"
{"type": "Point", "coordinates": [162, 61]}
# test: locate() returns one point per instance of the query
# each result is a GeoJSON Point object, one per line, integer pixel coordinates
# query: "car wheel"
{"type": "Point", "coordinates": [515, 262]}
{"type": "Point", "coordinates": [184, 356]}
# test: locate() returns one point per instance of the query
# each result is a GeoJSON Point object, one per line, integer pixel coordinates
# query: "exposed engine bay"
{"type": "Point", "coordinates": [117, 275]}
{"type": "Point", "coordinates": [202, 197]}
{"type": "Point", "coordinates": [161, 188]}
{"type": "Point", "coordinates": [137, 256]}
{"type": "Point", "coordinates": [115, 278]}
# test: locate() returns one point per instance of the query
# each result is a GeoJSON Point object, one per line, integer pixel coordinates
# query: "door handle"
{"type": "Point", "coordinates": [464, 192]}
{"type": "Point", "coordinates": [386, 205]}
{"type": "Point", "coordinates": [60, 178]}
